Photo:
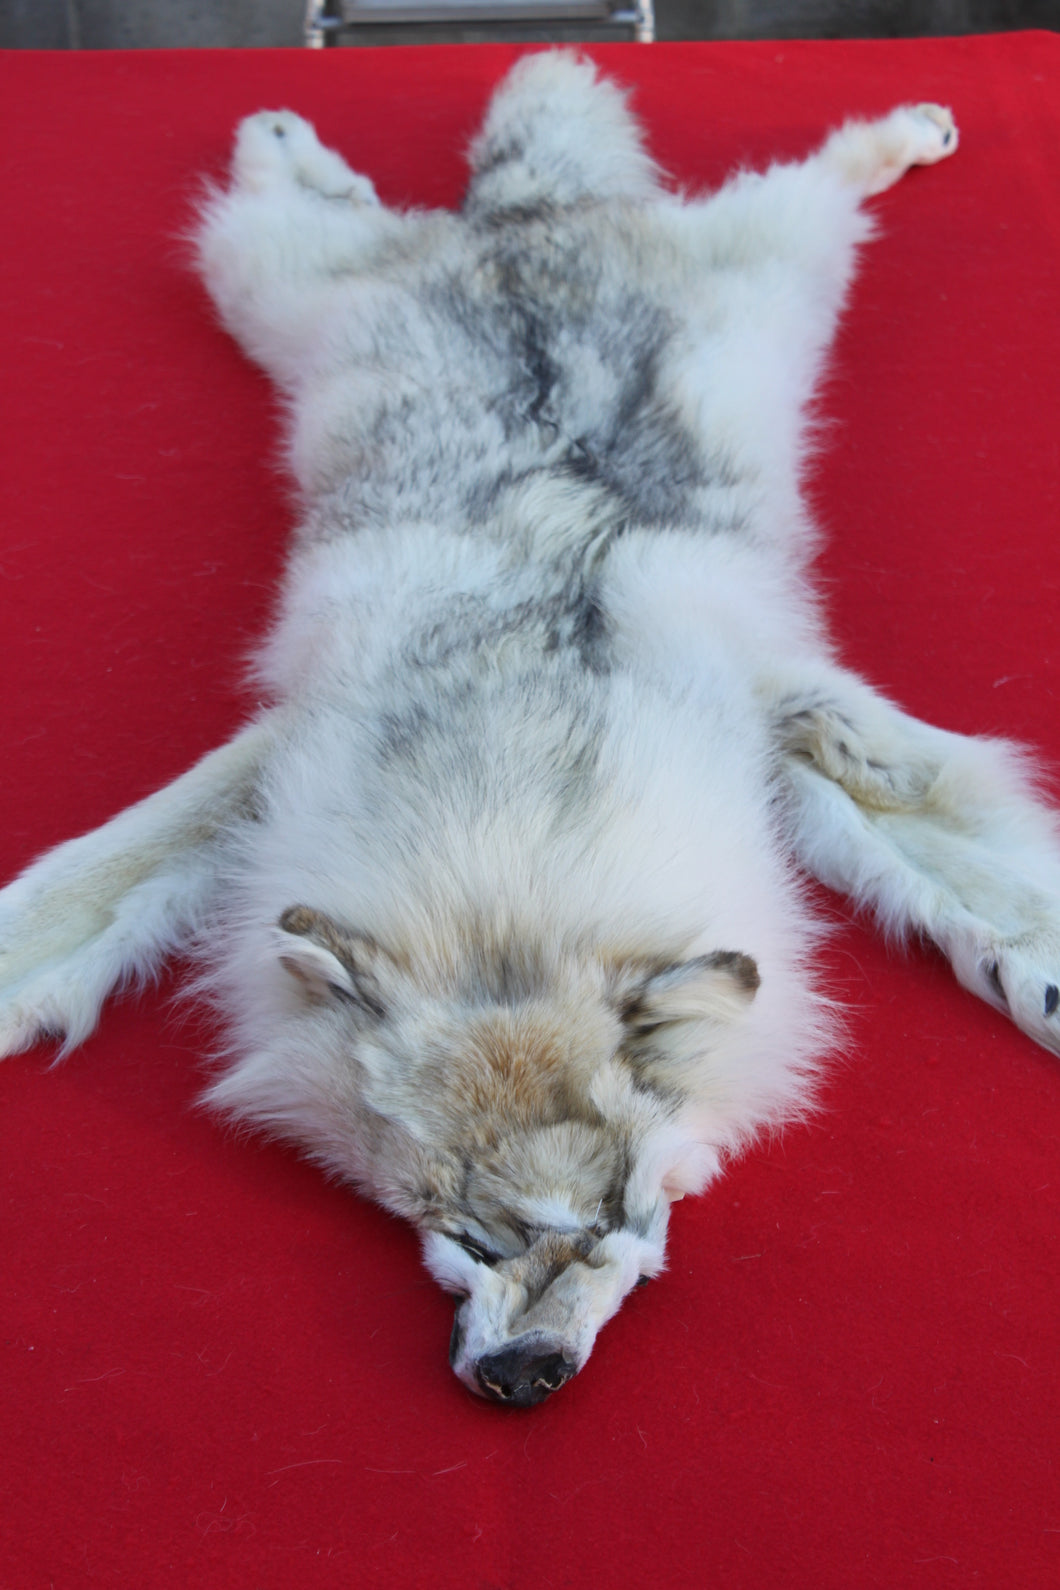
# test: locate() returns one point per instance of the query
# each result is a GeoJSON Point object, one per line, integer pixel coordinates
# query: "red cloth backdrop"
{"type": "Point", "coordinates": [217, 1369]}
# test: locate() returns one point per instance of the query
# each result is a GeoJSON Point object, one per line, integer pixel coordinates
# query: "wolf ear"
{"type": "Point", "coordinates": [713, 988]}
{"type": "Point", "coordinates": [327, 960]}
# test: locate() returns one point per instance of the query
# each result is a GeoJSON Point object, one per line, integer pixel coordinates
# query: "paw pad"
{"type": "Point", "coordinates": [938, 137]}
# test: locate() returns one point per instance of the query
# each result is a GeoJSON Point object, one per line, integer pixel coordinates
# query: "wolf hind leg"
{"type": "Point", "coordinates": [277, 150]}
{"type": "Point", "coordinates": [872, 156]}
{"type": "Point", "coordinates": [108, 907]}
{"type": "Point", "coordinates": [557, 134]}
{"type": "Point", "coordinates": [806, 215]}
{"type": "Point", "coordinates": [780, 249]}
{"type": "Point", "coordinates": [275, 247]}
{"type": "Point", "coordinates": [937, 833]}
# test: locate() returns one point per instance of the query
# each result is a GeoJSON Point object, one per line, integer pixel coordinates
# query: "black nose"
{"type": "Point", "coordinates": [522, 1375]}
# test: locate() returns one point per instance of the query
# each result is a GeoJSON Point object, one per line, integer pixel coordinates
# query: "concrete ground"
{"type": "Point", "coordinates": [161, 24]}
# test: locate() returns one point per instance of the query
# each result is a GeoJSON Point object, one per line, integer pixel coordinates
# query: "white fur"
{"type": "Point", "coordinates": [501, 898]}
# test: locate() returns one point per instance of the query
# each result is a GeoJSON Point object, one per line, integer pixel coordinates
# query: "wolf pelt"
{"type": "Point", "coordinates": [501, 895]}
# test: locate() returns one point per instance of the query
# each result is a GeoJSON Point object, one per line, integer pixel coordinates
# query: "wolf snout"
{"type": "Point", "coordinates": [522, 1375]}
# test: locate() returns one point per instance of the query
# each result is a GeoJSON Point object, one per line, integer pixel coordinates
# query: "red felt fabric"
{"type": "Point", "coordinates": [218, 1370]}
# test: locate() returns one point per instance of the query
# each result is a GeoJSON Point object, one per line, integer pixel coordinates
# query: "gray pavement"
{"type": "Point", "coordinates": [162, 24]}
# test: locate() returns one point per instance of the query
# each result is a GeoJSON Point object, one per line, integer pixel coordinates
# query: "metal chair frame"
{"type": "Point", "coordinates": [327, 19]}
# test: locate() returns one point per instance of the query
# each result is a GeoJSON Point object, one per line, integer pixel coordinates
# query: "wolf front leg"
{"type": "Point", "coordinates": [938, 833]}
{"type": "Point", "coordinates": [109, 907]}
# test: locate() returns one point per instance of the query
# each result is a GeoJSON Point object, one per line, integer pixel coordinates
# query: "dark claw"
{"type": "Point", "coordinates": [1052, 998]}
{"type": "Point", "coordinates": [994, 975]}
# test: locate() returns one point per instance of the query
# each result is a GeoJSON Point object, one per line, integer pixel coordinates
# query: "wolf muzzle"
{"type": "Point", "coordinates": [522, 1375]}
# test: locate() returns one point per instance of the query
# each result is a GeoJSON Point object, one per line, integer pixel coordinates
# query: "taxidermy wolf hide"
{"type": "Point", "coordinates": [501, 894]}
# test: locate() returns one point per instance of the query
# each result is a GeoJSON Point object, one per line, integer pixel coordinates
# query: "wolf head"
{"type": "Point", "coordinates": [531, 1111]}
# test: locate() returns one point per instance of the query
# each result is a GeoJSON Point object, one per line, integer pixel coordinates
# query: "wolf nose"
{"type": "Point", "coordinates": [520, 1377]}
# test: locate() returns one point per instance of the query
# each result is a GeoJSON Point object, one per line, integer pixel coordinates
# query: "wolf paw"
{"type": "Point", "coordinates": [38, 1012]}
{"type": "Point", "coordinates": [51, 986]}
{"type": "Point", "coordinates": [277, 149]}
{"type": "Point", "coordinates": [874, 155]}
{"type": "Point", "coordinates": [933, 133]}
{"type": "Point", "coordinates": [68, 936]}
{"type": "Point", "coordinates": [1020, 977]}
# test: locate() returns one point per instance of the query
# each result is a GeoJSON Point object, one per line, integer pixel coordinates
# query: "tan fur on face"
{"type": "Point", "coordinates": [518, 1088]}
{"type": "Point", "coordinates": [546, 1259]}
{"type": "Point", "coordinates": [527, 1068]}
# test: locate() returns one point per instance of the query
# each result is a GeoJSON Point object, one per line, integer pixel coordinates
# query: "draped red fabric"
{"type": "Point", "coordinates": [219, 1370]}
